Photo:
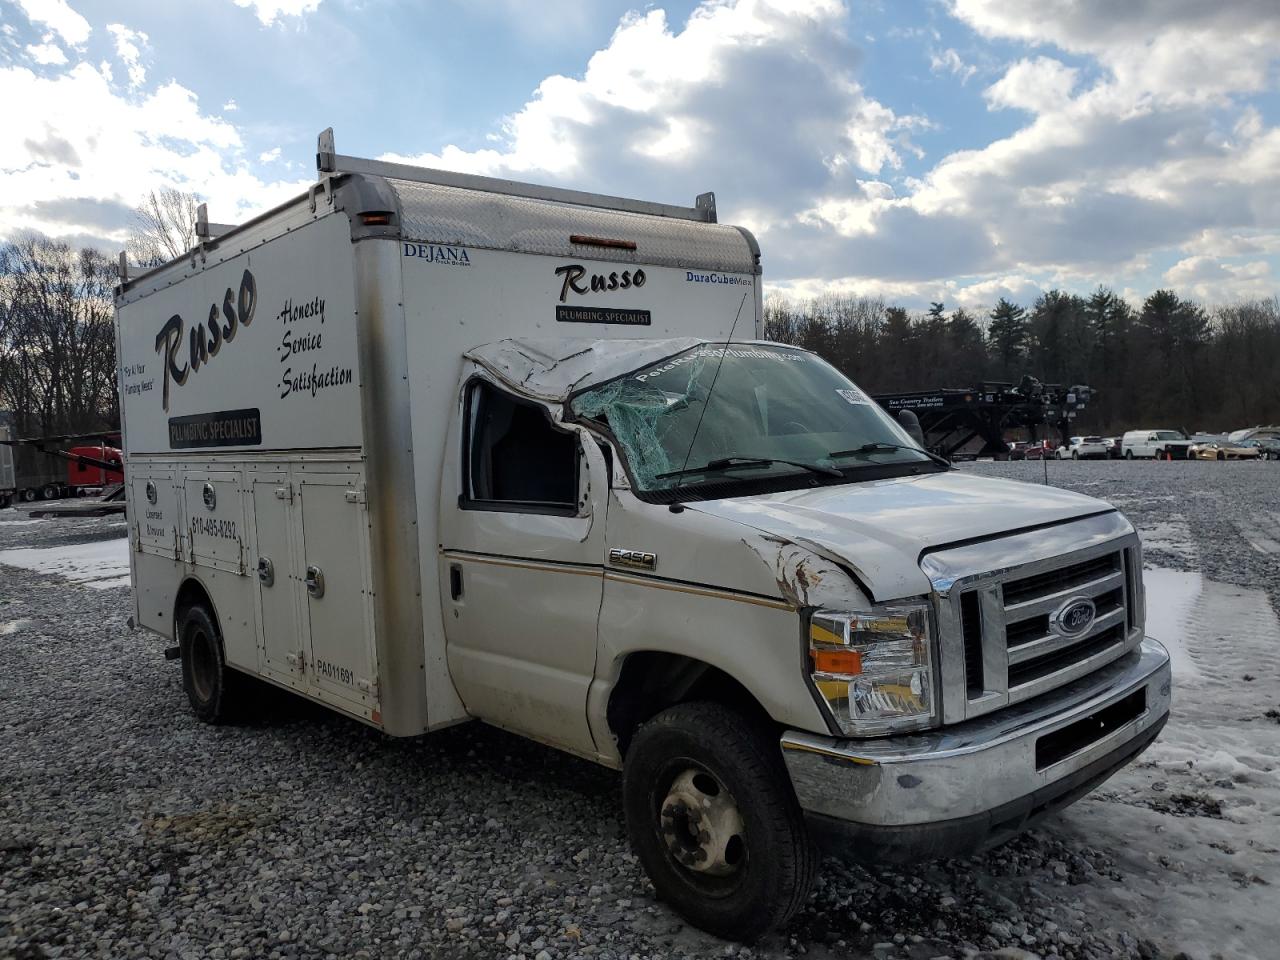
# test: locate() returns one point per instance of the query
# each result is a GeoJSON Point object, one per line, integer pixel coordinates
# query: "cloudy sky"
{"type": "Point", "coordinates": [954, 150]}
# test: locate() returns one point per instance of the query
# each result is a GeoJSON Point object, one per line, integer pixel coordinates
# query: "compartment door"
{"type": "Point", "coordinates": [215, 520]}
{"type": "Point", "coordinates": [336, 590]}
{"type": "Point", "coordinates": [157, 513]}
{"type": "Point", "coordinates": [280, 648]}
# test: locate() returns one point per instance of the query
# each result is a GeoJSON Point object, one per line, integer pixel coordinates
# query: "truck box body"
{"type": "Point", "coordinates": [285, 397]}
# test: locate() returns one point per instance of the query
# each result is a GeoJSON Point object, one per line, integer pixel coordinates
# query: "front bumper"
{"type": "Point", "coordinates": [954, 791]}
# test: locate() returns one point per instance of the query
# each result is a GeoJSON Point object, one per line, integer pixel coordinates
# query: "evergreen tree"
{"type": "Point", "coordinates": [1007, 337]}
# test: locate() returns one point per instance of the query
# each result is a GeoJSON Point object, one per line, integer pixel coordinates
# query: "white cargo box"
{"type": "Point", "coordinates": [288, 386]}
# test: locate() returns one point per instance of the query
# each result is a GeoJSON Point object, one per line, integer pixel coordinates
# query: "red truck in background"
{"type": "Point", "coordinates": [81, 474]}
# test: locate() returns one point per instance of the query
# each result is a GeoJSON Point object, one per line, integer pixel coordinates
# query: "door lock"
{"type": "Point", "coordinates": [315, 581]}
{"type": "Point", "coordinates": [266, 571]}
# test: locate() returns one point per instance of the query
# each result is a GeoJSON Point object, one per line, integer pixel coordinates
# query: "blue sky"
{"type": "Point", "coordinates": [955, 150]}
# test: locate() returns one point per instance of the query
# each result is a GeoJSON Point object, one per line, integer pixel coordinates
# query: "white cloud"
{"type": "Point", "coordinates": [758, 97]}
{"type": "Point", "coordinates": [269, 11]}
{"type": "Point", "coordinates": [950, 62]}
{"type": "Point", "coordinates": [1038, 86]}
{"type": "Point", "coordinates": [47, 54]}
{"type": "Point", "coordinates": [58, 17]}
{"type": "Point", "coordinates": [230, 107]}
{"type": "Point", "coordinates": [88, 152]}
{"type": "Point", "coordinates": [128, 49]}
{"type": "Point", "coordinates": [1174, 49]}
{"type": "Point", "coordinates": [1213, 280]}
{"type": "Point", "coordinates": [269, 156]}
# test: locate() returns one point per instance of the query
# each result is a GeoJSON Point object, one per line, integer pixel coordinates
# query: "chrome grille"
{"type": "Point", "coordinates": [1036, 651]}
{"type": "Point", "coordinates": [998, 642]}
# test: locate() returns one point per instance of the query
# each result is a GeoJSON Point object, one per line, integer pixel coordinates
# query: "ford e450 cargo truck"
{"type": "Point", "coordinates": [425, 447]}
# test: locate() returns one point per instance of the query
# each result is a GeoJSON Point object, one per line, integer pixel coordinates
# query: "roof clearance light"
{"type": "Point", "coordinates": [584, 240]}
{"type": "Point", "coordinates": [376, 218]}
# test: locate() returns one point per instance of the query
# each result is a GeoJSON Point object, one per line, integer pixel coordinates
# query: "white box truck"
{"type": "Point", "coordinates": [426, 447]}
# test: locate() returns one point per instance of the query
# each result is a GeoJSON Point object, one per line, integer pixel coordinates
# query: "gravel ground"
{"type": "Point", "coordinates": [127, 829]}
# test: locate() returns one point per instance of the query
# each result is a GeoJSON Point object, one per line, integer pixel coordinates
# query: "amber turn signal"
{"type": "Point", "coordinates": [846, 662]}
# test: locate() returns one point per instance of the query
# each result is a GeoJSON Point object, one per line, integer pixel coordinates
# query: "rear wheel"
{"type": "Point", "coordinates": [1075, 454]}
{"type": "Point", "coordinates": [712, 817]}
{"type": "Point", "coordinates": [50, 492]}
{"type": "Point", "coordinates": [29, 495]}
{"type": "Point", "coordinates": [217, 693]}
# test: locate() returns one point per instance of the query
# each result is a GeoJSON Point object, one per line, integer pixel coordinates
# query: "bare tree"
{"type": "Point", "coordinates": [57, 341]}
{"type": "Point", "coordinates": [164, 227]}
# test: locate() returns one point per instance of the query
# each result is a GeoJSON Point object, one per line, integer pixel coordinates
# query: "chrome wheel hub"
{"type": "Point", "coordinates": [701, 825]}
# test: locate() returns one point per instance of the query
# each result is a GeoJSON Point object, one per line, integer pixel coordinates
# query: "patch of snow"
{"type": "Point", "coordinates": [1171, 594]}
{"type": "Point", "coordinates": [103, 564]}
{"type": "Point", "coordinates": [19, 523]}
{"type": "Point", "coordinates": [13, 626]}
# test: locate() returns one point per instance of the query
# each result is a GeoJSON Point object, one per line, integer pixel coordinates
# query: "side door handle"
{"type": "Point", "coordinates": [315, 581]}
{"type": "Point", "coordinates": [455, 581]}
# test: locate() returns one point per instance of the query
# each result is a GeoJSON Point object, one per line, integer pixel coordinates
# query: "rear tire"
{"type": "Point", "coordinates": [691, 770]}
{"type": "Point", "coordinates": [1075, 454]}
{"type": "Point", "coordinates": [29, 495]}
{"type": "Point", "coordinates": [217, 693]}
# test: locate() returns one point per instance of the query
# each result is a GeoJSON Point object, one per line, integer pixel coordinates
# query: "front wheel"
{"type": "Point", "coordinates": [712, 817]}
{"type": "Point", "coordinates": [1075, 454]}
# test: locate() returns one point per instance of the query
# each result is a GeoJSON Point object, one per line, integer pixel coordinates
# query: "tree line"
{"type": "Point", "coordinates": [57, 338]}
{"type": "Point", "coordinates": [57, 328]}
{"type": "Point", "coordinates": [1167, 363]}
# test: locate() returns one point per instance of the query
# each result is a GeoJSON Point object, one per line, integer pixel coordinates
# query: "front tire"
{"type": "Point", "coordinates": [712, 816]}
{"type": "Point", "coordinates": [216, 692]}
{"type": "Point", "coordinates": [1075, 454]}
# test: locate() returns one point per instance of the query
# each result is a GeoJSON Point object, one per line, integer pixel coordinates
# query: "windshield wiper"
{"type": "Point", "coordinates": [877, 446]}
{"type": "Point", "coordinates": [728, 463]}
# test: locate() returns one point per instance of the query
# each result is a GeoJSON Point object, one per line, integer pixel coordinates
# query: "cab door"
{"type": "Point", "coordinates": [522, 571]}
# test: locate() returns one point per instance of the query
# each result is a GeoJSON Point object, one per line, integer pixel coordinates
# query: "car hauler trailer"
{"type": "Point", "coordinates": [427, 447]}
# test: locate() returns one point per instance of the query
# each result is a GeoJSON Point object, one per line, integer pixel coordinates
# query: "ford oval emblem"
{"type": "Point", "coordinates": [1074, 618]}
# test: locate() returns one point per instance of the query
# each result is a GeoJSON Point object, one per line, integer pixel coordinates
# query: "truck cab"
{"type": "Point", "coordinates": [449, 448]}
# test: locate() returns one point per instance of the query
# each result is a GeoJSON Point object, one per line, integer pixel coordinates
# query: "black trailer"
{"type": "Point", "coordinates": [35, 468]}
{"type": "Point", "coordinates": [964, 423]}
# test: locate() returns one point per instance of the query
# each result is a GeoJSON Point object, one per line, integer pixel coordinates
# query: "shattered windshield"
{"type": "Point", "coordinates": [773, 411]}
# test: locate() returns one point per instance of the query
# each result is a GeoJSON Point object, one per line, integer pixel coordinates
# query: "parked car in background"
{"type": "Point", "coordinates": [1223, 450]}
{"type": "Point", "coordinates": [1018, 450]}
{"type": "Point", "coordinates": [1262, 433]}
{"type": "Point", "coordinates": [1082, 448]}
{"type": "Point", "coordinates": [1268, 447]}
{"type": "Point", "coordinates": [1038, 450]}
{"type": "Point", "coordinates": [1113, 448]}
{"type": "Point", "coordinates": [1160, 444]}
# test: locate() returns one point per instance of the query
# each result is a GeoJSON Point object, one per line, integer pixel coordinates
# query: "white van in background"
{"type": "Point", "coordinates": [1160, 444]}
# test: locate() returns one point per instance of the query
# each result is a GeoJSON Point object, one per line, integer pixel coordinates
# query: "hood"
{"type": "Point", "coordinates": [879, 529]}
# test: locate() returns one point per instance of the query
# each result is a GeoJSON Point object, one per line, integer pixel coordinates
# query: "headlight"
{"type": "Point", "coordinates": [874, 670]}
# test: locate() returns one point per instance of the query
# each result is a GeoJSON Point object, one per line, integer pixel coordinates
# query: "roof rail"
{"type": "Point", "coordinates": [328, 161]}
